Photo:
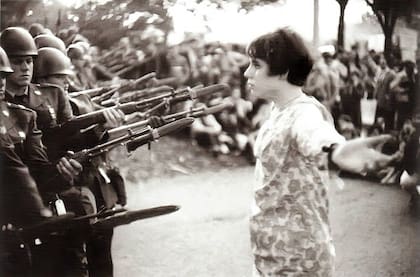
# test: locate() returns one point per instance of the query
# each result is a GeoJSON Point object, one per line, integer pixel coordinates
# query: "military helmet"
{"type": "Point", "coordinates": [17, 41]}
{"type": "Point", "coordinates": [50, 41]}
{"type": "Point", "coordinates": [36, 29]}
{"type": "Point", "coordinates": [75, 51]}
{"type": "Point", "coordinates": [51, 61]}
{"type": "Point", "coordinates": [4, 62]}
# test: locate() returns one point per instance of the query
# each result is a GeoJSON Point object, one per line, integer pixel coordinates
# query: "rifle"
{"type": "Point", "coordinates": [130, 216]}
{"type": "Point", "coordinates": [85, 120]}
{"type": "Point", "coordinates": [135, 95]}
{"type": "Point", "coordinates": [141, 137]}
{"type": "Point", "coordinates": [194, 112]}
{"type": "Point", "coordinates": [140, 82]}
{"type": "Point", "coordinates": [170, 81]}
{"type": "Point", "coordinates": [107, 219]}
{"type": "Point", "coordinates": [100, 90]}
{"type": "Point", "coordinates": [93, 91]}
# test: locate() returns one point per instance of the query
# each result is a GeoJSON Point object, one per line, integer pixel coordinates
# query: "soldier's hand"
{"type": "Point", "coordinates": [69, 168]}
{"type": "Point", "coordinates": [114, 118]}
{"type": "Point", "coordinates": [156, 121]}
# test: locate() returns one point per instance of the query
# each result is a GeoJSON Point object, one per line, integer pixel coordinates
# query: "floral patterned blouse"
{"type": "Point", "coordinates": [290, 231]}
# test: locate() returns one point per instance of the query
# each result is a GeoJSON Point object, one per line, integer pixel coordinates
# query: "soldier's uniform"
{"type": "Point", "coordinates": [107, 184]}
{"type": "Point", "coordinates": [52, 108]}
{"type": "Point", "coordinates": [21, 127]}
{"type": "Point", "coordinates": [48, 101]}
{"type": "Point", "coordinates": [20, 204]}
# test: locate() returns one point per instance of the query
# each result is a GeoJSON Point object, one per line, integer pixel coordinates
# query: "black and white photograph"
{"type": "Point", "coordinates": [209, 138]}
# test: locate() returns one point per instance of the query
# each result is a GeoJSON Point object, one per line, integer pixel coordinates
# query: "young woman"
{"type": "Point", "coordinates": [290, 230]}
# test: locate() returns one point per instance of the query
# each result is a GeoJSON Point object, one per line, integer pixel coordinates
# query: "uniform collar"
{"type": "Point", "coordinates": [12, 94]}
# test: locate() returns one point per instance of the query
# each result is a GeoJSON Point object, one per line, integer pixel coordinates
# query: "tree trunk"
{"type": "Point", "coordinates": [388, 28]}
{"type": "Point", "coordinates": [388, 32]}
{"type": "Point", "coordinates": [315, 38]}
{"type": "Point", "coordinates": [340, 34]}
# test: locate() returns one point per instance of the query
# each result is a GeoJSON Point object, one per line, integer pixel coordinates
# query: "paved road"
{"type": "Point", "coordinates": [375, 235]}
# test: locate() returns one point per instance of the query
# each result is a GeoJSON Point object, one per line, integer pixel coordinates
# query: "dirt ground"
{"type": "Point", "coordinates": [375, 234]}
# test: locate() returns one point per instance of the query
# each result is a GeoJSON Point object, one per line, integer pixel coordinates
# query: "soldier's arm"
{"type": "Point", "coordinates": [65, 112]}
{"type": "Point", "coordinates": [45, 173]}
{"type": "Point", "coordinates": [18, 189]}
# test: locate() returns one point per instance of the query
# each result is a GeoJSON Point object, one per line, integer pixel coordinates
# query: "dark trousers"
{"type": "Point", "coordinates": [388, 116]}
{"type": "Point", "coordinates": [404, 112]}
{"type": "Point", "coordinates": [64, 254]}
{"type": "Point", "coordinates": [98, 248]}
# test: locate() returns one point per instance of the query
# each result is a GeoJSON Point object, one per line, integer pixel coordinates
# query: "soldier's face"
{"type": "Point", "coordinates": [23, 69]}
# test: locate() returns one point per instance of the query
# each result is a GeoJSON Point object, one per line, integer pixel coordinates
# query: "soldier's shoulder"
{"type": "Point", "coordinates": [21, 110]}
{"type": "Point", "coordinates": [19, 107]}
{"type": "Point", "coordinates": [49, 86]}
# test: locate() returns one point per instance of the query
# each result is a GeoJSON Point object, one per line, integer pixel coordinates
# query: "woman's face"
{"type": "Point", "coordinates": [259, 82]}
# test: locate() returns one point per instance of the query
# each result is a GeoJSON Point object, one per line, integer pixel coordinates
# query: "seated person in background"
{"type": "Point", "coordinates": [234, 121]}
{"type": "Point", "coordinates": [405, 149]}
{"type": "Point", "coordinates": [346, 127]}
{"type": "Point", "coordinates": [206, 132]}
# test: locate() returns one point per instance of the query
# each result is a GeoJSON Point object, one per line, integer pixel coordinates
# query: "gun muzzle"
{"type": "Point", "coordinates": [155, 134]}
{"type": "Point", "coordinates": [208, 90]}
{"type": "Point", "coordinates": [217, 108]}
{"type": "Point", "coordinates": [142, 81]}
{"type": "Point", "coordinates": [193, 94]}
{"type": "Point", "coordinates": [130, 216]}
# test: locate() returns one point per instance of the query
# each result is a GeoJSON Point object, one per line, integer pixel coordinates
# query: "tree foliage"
{"type": "Point", "coordinates": [14, 12]}
{"type": "Point", "coordinates": [387, 13]}
{"type": "Point", "coordinates": [102, 22]}
{"type": "Point", "coordinates": [112, 19]}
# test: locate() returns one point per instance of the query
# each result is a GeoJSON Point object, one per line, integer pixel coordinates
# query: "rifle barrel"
{"type": "Point", "coordinates": [159, 132]}
{"type": "Point", "coordinates": [130, 216]}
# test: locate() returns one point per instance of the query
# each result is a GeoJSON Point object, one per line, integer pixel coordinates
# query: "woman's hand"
{"type": "Point", "coordinates": [361, 155]}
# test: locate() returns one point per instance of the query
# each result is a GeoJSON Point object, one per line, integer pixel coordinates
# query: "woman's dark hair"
{"type": "Point", "coordinates": [285, 52]}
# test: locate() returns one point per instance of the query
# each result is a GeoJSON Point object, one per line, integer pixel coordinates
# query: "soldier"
{"type": "Point", "coordinates": [103, 179]}
{"type": "Point", "coordinates": [49, 102]}
{"type": "Point", "coordinates": [22, 149]}
{"type": "Point", "coordinates": [45, 40]}
{"type": "Point", "coordinates": [52, 108]}
{"type": "Point", "coordinates": [36, 29]}
{"type": "Point", "coordinates": [83, 77]}
{"type": "Point", "coordinates": [24, 191]}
